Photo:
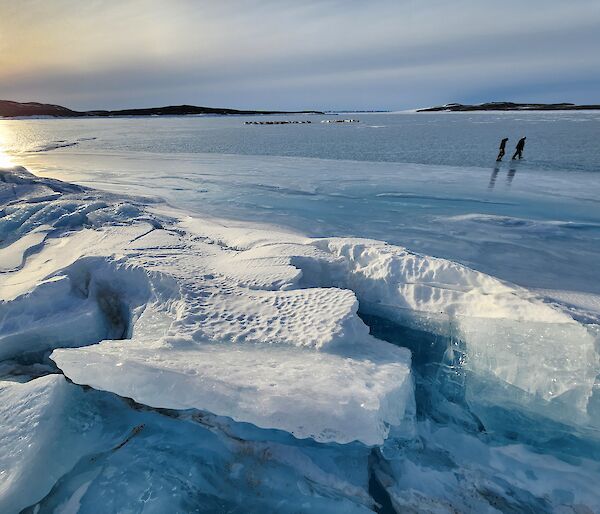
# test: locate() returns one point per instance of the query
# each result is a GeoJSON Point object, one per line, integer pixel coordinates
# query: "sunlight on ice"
{"type": "Point", "coordinates": [10, 140]}
{"type": "Point", "coordinates": [6, 160]}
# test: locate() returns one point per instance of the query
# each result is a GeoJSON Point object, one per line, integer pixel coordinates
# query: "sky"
{"type": "Point", "coordinates": [267, 54]}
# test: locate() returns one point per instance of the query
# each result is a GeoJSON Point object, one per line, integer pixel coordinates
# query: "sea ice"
{"type": "Point", "coordinates": [218, 330]}
{"type": "Point", "coordinates": [45, 427]}
{"type": "Point", "coordinates": [463, 473]}
{"type": "Point", "coordinates": [227, 291]}
{"type": "Point", "coordinates": [258, 326]}
{"type": "Point", "coordinates": [236, 367]}
{"type": "Point", "coordinates": [66, 449]}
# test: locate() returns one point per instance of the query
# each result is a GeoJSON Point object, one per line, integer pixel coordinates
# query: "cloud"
{"type": "Point", "coordinates": [278, 54]}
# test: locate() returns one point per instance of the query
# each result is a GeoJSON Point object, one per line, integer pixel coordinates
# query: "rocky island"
{"type": "Point", "coordinates": [509, 106]}
{"type": "Point", "coordinates": [9, 109]}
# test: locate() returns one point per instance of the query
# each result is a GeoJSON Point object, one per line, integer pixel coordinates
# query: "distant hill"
{"type": "Point", "coordinates": [8, 108]}
{"type": "Point", "coordinates": [509, 106]}
{"type": "Point", "coordinates": [14, 109]}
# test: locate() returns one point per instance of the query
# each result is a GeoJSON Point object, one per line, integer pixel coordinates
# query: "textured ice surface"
{"type": "Point", "coordinates": [510, 335]}
{"type": "Point", "coordinates": [215, 333]}
{"type": "Point", "coordinates": [461, 473]}
{"type": "Point", "coordinates": [534, 354]}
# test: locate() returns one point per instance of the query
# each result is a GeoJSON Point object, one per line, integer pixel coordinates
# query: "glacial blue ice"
{"type": "Point", "coordinates": [72, 450]}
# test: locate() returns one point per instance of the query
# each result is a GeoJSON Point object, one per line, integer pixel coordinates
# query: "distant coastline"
{"type": "Point", "coordinates": [10, 109]}
{"type": "Point", "coordinates": [509, 106]}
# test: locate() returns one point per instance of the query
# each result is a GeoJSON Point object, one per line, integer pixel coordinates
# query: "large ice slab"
{"type": "Point", "coordinates": [297, 360]}
{"type": "Point", "coordinates": [331, 398]}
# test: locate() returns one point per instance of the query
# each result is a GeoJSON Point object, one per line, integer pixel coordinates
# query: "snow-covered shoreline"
{"type": "Point", "coordinates": [262, 327]}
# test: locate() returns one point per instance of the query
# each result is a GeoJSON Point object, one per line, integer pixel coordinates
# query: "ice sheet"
{"type": "Point", "coordinates": [263, 328]}
{"type": "Point", "coordinates": [255, 343]}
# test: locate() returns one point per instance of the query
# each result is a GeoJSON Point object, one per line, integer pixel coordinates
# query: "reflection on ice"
{"type": "Point", "coordinates": [494, 176]}
{"type": "Point", "coordinates": [5, 159]}
{"type": "Point", "coordinates": [511, 173]}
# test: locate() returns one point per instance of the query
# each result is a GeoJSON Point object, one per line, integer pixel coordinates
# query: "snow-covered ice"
{"type": "Point", "coordinates": [263, 330]}
{"type": "Point", "coordinates": [238, 343]}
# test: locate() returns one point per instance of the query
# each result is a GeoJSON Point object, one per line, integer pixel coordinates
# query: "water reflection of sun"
{"type": "Point", "coordinates": [6, 160]}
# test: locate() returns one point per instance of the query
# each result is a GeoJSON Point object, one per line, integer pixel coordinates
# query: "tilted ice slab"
{"type": "Point", "coordinates": [328, 397]}
{"type": "Point", "coordinates": [509, 334]}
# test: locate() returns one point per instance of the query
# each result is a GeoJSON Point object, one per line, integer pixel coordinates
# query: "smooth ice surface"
{"type": "Point", "coordinates": [555, 140]}
{"type": "Point", "coordinates": [537, 228]}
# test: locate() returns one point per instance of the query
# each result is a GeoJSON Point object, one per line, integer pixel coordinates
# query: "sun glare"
{"type": "Point", "coordinates": [6, 160]}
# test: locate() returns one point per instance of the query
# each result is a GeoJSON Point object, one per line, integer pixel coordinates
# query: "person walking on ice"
{"type": "Point", "coordinates": [502, 149]}
{"type": "Point", "coordinates": [519, 149]}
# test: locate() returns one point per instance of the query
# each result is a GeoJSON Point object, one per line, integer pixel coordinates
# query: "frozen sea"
{"type": "Point", "coordinates": [323, 317]}
{"type": "Point", "coordinates": [425, 181]}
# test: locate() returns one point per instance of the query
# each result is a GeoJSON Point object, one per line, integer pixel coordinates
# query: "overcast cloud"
{"type": "Point", "coordinates": [298, 55]}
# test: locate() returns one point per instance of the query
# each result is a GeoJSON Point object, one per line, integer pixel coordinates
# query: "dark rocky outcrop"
{"type": "Point", "coordinates": [13, 109]}
{"type": "Point", "coordinates": [509, 106]}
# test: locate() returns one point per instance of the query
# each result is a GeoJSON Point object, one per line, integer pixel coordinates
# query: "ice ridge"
{"type": "Point", "coordinates": [246, 346]}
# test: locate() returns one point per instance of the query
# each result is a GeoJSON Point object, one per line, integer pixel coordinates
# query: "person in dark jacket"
{"type": "Point", "coordinates": [502, 149]}
{"type": "Point", "coordinates": [519, 149]}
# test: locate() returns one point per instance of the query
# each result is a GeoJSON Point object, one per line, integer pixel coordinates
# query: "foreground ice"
{"type": "Point", "coordinates": [262, 327]}
{"type": "Point", "coordinates": [214, 334]}
{"type": "Point", "coordinates": [70, 450]}
{"type": "Point", "coordinates": [462, 473]}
